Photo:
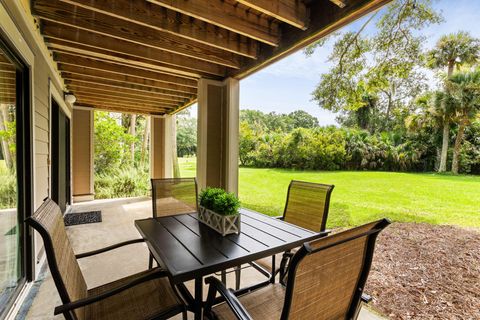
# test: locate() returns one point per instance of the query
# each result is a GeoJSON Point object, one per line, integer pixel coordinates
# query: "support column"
{"type": "Point", "coordinates": [82, 152]}
{"type": "Point", "coordinates": [218, 134]}
{"type": "Point", "coordinates": [161, 157]}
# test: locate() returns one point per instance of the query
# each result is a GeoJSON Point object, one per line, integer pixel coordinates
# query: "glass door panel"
{"type": "Point", "coordinates": [11, 273]}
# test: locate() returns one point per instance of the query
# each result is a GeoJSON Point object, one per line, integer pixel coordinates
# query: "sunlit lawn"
{"type": "Point", "coordinates": [364, 196]}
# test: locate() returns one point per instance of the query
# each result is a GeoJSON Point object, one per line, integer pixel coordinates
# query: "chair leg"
{"type": "Point", "coordinates": [224, 277]}
{"type": "Point", "coordinates": [283, 268]}
{"type": "Point", "coordinates": [238, 271]}
{"type": "Point", "coordinates": [184, 315]}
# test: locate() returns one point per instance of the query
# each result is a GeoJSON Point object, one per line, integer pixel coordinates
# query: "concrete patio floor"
{"type": "Point", "coordinates": [117, 225]}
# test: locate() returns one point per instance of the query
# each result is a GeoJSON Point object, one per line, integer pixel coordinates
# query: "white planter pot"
{"type": "Point", "coordinates": [220, 223]}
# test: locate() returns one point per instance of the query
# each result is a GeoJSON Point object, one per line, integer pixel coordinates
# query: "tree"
{"type": "Point", "coordinates": [465, 88]}
{"type": "Point", "coordinates": [186, 135]}
{"type": "Point", "coordinates": [452, 50]}
{"type": "Point", "coordinates": [302, 119]}
{"type": "Point", "coordinates": [377, 75]}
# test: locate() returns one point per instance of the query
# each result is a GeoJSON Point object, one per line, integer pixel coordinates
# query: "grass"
{"type": "Point", "coordinates": [362, 196]}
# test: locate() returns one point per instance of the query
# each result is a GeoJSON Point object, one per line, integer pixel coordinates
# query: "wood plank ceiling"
{"type": "Point", "coordinates": [146, 56]}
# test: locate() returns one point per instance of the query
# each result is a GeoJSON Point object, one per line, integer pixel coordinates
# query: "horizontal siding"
{"type": "Point", "coordinates": [41, 134]}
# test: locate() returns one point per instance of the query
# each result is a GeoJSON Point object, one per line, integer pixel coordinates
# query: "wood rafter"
{"type": "Point", "coordinates": [226, 15]}
{"type": "Point", "coordinates": [328, 18]}
{"type": "Point", "coordinates": [66, 59]}
{"type": "Point", "coordinates": [68, 70]}
{"type": "Point", "coordinates": [119, 108]}
{"type": "Point", "coordinates": [74, 87]}
{"type": "Point", "coordinates": [87, 97]}
{"type": "Point", "coordinates": [87, 20]}
{"type": "Point", "coordinates": [119, 84]}
{"type": "Point", "coordinates": [90, 43]}
{"type": "Point", "coordinates": [293, 12]}
{"type": "Point", "coordinates": [162, 19]}
{"type": "Point", "coordinates": [340, 3]}
{"type": "Point", "coordinates": [106, 95]}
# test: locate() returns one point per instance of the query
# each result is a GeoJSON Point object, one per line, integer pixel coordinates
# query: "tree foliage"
{"type": "Point", "coordinates": [375, 78]}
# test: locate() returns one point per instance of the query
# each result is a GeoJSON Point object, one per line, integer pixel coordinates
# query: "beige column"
{"type": "Point", "coordinates": [161, 157]}
{"type": "Point", "coordinates": [82, 153]}
{"type": "Point", "coordinates": [218, 131]}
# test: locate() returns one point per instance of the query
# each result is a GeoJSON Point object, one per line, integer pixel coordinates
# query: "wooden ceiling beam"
{"type": "Point", "coordinates": [100, 44]}
{"type": "Point", "coordinates": [69, 60]}
{"type": "Point", "coordinates": [91, 97]}
{"type": "Point", "coordinates": [131, 107]}
{"type": "Point", "coordinates": [127, 88]}
{"type": "Point", "coordinates": [120, 84]}
{"type": "Point", "coordinates": [162, 19]}
{"type": "Point", "coordinates": [111, 95]}
{"type": "Point", "coordinates": [87, 20]}
{"type": "Point", "coordinates": [328, 18]}
{"type": "Point", "coordinates": [228, 16]}
{"type": "Point", "coordinates": [293, 12]}
{"type": "Point", "coordinates": [100, 74]}
{"type": "Point", "coordinates": [340, 3]}
{"type": "Point", "coordinates": [122, 103]}
{"type": "Point", "coordinates": [120, 109]}
{"type": "Point", "coordinates": [104, 90]}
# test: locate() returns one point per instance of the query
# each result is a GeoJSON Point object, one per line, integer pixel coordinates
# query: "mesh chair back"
{"type": "Point", "coordinates": [327, 276]}
{"type": "Point", "coordinates": [66, 273]}
{"type": "Point", "coordinates": [174, 196]}
{"type": "Point", "coordinates": [307, 205]}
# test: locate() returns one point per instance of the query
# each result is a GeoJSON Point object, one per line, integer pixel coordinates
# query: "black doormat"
{"type": "Point", "coordinates": [72, 219]}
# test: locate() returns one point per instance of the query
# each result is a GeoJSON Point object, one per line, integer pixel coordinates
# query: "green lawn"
{"type": "Point", "coordinates": [363, 196]}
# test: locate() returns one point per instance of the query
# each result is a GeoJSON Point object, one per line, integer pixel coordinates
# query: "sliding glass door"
{"type": "Point", "coordinates": [14, 147]}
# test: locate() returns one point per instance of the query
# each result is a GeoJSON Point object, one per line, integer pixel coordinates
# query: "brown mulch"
{"type": "Point", "coordinates": [421, 271]}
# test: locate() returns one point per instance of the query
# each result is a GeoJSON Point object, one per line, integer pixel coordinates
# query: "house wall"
{"type": "Point", "coordinates": [18, 27]}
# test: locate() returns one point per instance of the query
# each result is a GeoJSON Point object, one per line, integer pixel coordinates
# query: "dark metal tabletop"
{"type": "Point", "coordinates": [188, 249]}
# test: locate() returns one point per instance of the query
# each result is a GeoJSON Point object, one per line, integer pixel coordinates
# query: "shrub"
{"type": "Point", "coordinates": [124, 182]}
{"type": "Point", "coordinates": [8, 190]}
{"type": "Point", "coordinates": [219, 201]}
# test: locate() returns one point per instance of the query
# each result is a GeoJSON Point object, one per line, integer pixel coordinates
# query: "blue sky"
{"type": "Point", "coordinates": [287, 85]}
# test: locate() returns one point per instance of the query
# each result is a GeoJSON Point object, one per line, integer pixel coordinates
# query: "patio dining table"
{"type": "Point", "coordinates": [190, 250]}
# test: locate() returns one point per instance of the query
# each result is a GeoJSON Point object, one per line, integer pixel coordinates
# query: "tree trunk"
{"type": "Point", "coordinates": [5, 145]}
{"type": "Point", "coordinates": [458, 145]}
{"type": "Point", "coordinates": [133, 123]}
{"type": "Point", "coordinates": [444, 153]}
{"type": "Point", "coordinates": [176, 167]}
{"type": "Point", "coordinates": [146, 139]}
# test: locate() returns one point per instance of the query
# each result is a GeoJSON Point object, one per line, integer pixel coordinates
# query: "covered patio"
{"type": "Point", "coordinates": [150, 57]}
{"type": "Point", "coordinates": [116, 226]}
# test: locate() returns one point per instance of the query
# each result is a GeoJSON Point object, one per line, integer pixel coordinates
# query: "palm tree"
{"type": "Point", "coordinates": [452, 50]}
{"type": "Point", "coordinates": [465, 88]}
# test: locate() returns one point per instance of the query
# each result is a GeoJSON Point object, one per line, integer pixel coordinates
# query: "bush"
{"type": "Point", "coordinates": [219, 201]}
{"type": "Point", "coordinates": [8, 189]}
{"type": "Point", "coordinates": [126, 182]}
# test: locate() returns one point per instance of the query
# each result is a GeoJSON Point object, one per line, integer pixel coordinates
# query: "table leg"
{"type": "Point", "coordinates": [198, 298]}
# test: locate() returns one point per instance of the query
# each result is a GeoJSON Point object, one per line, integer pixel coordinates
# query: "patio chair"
{"type": "Point", "coordinates": [145, 295]}
{"type": "Point", "coordinates": [173, 196]}
{"type": "Point", "coordinates": [325, 280]}
{"type": "Point", "coordinates": [306, 206]}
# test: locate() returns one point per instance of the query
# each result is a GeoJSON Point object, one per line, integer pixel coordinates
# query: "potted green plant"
{"type": "Point", "coordinates": [219, 210]}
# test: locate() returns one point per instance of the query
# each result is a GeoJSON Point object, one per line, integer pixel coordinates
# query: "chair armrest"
{"type": "Point", "coordinates": [232, 301]}
{"type": "Point", "coordinates": [279, 217]}
{"type": "Point", "coordinates": [115, 246]}
{"type": "Point", "coordinates": [159, 273]}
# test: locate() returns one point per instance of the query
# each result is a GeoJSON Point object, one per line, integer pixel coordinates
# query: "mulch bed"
{"type": "Point", "coordinates": [421, 271]}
